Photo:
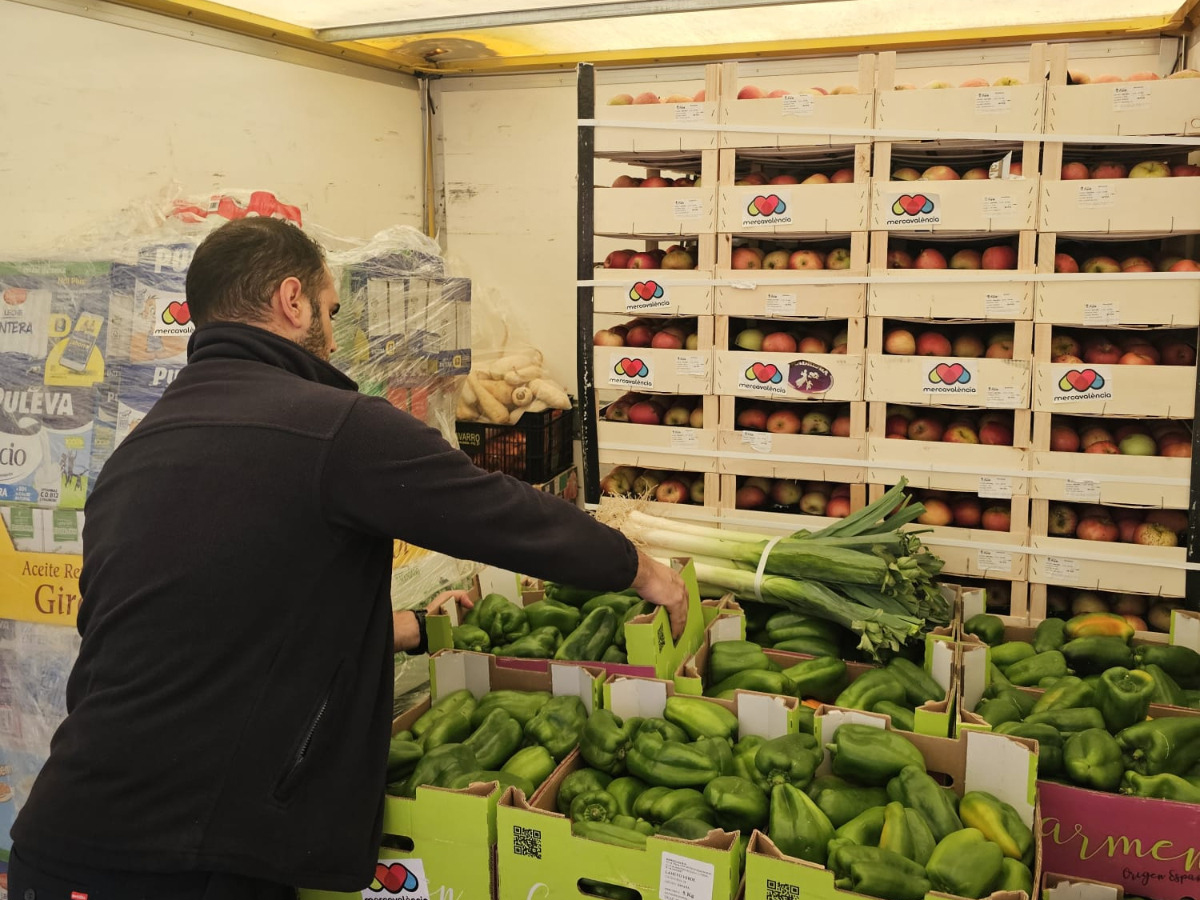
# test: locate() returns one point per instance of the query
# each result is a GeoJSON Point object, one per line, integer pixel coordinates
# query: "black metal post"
{"type": "Point", "coordinates": [584, 295]}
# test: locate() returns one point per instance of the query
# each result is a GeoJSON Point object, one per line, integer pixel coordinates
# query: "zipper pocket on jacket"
{"type": "Point", "coordinates": [285, 784]}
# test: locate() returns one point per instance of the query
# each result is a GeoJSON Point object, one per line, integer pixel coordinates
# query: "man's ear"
{"type": "Point", "coordinates": [290, 301]}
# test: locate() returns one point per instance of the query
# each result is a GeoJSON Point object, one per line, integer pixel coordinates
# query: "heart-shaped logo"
{"type": "Point", "coordinates": [949, 373]}
{"type": "Point", "coordinates": [394, 878]}
{"type": "Point", "coordinates": [765, 206]}
{"type": "Point", "coordinates": [177, 313]}
{"type": "Point", "coordinates": [646, 290]}
{"type": "Point", "coordinates": [912, 204]}
{"type": "Point", "coordinates": [632, 368]}
{"type": "Point", "coordinates": [765, 373]}
{"type": "Point", "coordinates": [1081, 380]}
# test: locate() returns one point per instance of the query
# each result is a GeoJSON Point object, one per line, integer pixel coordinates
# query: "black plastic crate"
{"type": "Point", "coordinates": [536, 449]}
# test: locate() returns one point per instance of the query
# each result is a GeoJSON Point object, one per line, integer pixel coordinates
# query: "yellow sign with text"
{"type": "Point", "coordinates": [38, 587]}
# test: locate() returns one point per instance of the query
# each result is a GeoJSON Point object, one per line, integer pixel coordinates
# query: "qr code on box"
{"type": "Point", "coordinates": [527, 842]}
{"type": "Point", "coordinates": [779, 891]}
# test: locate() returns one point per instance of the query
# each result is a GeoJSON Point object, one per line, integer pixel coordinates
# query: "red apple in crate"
{"type": "Point", "coordinates": [1136, 264]}
{"type": "Point", "coordinates": [937, 512]}
{"type": "Point", "coordinates": [783, 421]}
{"type": "Point", "coordinates": [776, 259]}
{"type": "Point", "coordinates": [619, 259]}
{"type": "Point", "coordinates": [785, 492]}
{"type": "Point", "coordinates": [1064, 345]}
{"type": "Point", "coordinates": [1151, 168]}
{"type": "Point", "coordinates": [929, 259]}
{"type": "Point", "coordinates": [646, 98]}
{"type": "Point", "coordinates": [814, 503]}
{"type": "Point", "coordinates": [1062, 521]}
{"type": "Point", "coordinates": [899, 259]}
{"type": "Point", "coordinates": [639, 336]}
{"type": "Point", "coordinates": [643, 261]}
{"type": "Point", "coordinates": [1135, 359]}
{"type": "Point", "coordinates": [906, 173]}
{"type": "Point", "coordinates": [975, 82]}
{"type": "Point", "coordinates": [668, 339]}
{"type": "Point", "coordinates": [840, 427]}
{"type": "Point", "coordinates": [842, 176]}
{"type": "Point", "coordinates": [1109, 170]}
{"type": "Point", "coordinates": [1101, 264]}
{"type": "Point", "coordinates": [1064, 439]}
{"type": "Point", "coordinates": [752, 419]}
{"type": "Point", "coordinates": [960, 434]}
{"type": "Point", "coordinates": [1177, 353]}
{"type": "Point", "coordinates": [699, 96]}
{"type": "Point", "coordinates": [1107, 448]}
{"type": "Point", "coordinates": [606, 338]}
{"type": "Point", "coordinates": [812, 344]}
{"type": "Point", "coordinates": [968, 346]}
{"type": "Point", "coordinates": [1141, 348]}
{"type": "Point", "coordinates": [1064, 262]}
{"type": "Point", "coordinates": [655, 181]}
{"type": "Point", "coordinates": [837, 507]}
{"type": "Point", "coordinates": [1185, 171]}
{"type": "Point", "coordinates": [899, 342]}
{"type": "Point", "coordinates": [996, 434]}
{"type": "Point", "coordinates": [673, 490]}
{"type": "Point", "coordinates": [624, 181]}
{"type": "Point", "coordinates": [925, 429]}
{"type": "Point", "coordinates": [1185, 265]}
{"type": "Point", "coordinates": [939, 173]}
{"type": "Point", "coordinates": [751, 92]}
{"type": "Point", "coordinates": [896, 425]}
{"type": "Point", "coordinates": [1015, 170]}
{"type": "Point", "coordinates": [1126, 528]}
{"type": "Point", "coordinates": [1002, 256]}
{"type": "Point", "coordinates": [1174, 519]}
{"type": "Point", "coordinates": [815, 423]}
{"type": "Point", "coordinates": [1094, 435]}
{"type": "Point", "coordinates": [1075, 171]}
{"type": "Point", "coordinates": [1152, 535]}
{"type": "Point", "coordinates": [754, 178]}
{"type": "Point", "coordinates": [806, 259]}
{"type": "Point", "coordinates": [1107, 79]}
{"type": "Point", "coordinates": [750, 496]}
{"type": "Point", "coordinates": [1095, 528]}
{"type": "Point", "coordinates": [1143, 76]}
{"type": "Point", "coordinates": [618, 410]}
{"type": "Point", "coordinates": [1000, 349]}
{"type": "Point", "coordinates": [816, 178]}
{"type": "Point", "coordinates": [779, 342]}
{"type": "Point", "coordinates": [976, 174]}
{"type": "Point", "coordinates": [784, 179]}
{"type": "Point", "coordinates": [1104, 353]}
{"type": "Point", "coordinates": [746, 258]}
{"type": "Point", "coordinates": [966, 259]}
{"type": "Point", "coordinates": [968, 512]}
{"type": "Point", "coordinates": [996, 518]}
{"type": "Point", "coordinates": [645, 412]}
{"type": "Point", "coordinates": [933, 343]}
{"type": "Point", "coordinates": [621, 100]}
{"type": "Point", "coordinates": [838, 258]}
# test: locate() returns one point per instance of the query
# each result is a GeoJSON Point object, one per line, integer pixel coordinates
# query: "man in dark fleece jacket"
{"type": "Point", "coordinates": [229, 713]}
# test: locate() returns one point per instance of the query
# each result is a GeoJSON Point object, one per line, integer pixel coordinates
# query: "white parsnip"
{"type": "Point", "coordinates": [493, 410]}
{"type": "Point", "coordinates": [499, 390]}
{"type": "Point", "coordinates": [549, 392]}
{"type": "Point", "coordinates": [522, 396]}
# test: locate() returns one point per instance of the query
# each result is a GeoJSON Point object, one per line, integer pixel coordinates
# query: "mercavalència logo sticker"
{"type": "Point", "coordinates": [913, 209]}
{"type": "Point", "coordinates": [950, 378]}
{"type": "Point", "coordinates": [766, 209]}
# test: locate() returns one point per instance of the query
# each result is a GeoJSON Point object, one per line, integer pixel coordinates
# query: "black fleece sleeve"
{"type": "Point", "coordinates": [390, 475]}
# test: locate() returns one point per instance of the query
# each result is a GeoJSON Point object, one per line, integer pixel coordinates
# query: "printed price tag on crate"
{"type": "Point", "coordinates": [798, 105]}
{"type": "Point", "coordinates": [691, 365]}
{"type": "Point", "coordinates": [997, 205]}
{"type": "Point", "coordinates": [1082, 490]}
{"type": "Point", "coordinates": [993, 101]}
{"type": "Point", "coordinates": [685, 879]}
{"type": "Point", "coordinates": [994, 561]}
{"type": "Point", "coordinates": [1003, 395]}
{"type": "Point", "coordinates": [689, 112]}
{"type": "Point", "coordinates": [1095, 196]}
{"type": "Point", "coordinates": [684, 439]}
{"type": "Point", "coordinates": [781, 304]}
{"type": "Point", "coordinates": [1060, 570]}
{"type": "Point", "coordinates": [1131, 96]}
{"type": "Point", "coordinates": [995, 487]}
{"type": "Point", "coordinates": [1001, 304]}
{"type": "Point", "coordinates": [689, 209]}
{"type": "Point", "coordinates": [1106, 313]}
{"type": "Point", "coordinates": [758, 440]}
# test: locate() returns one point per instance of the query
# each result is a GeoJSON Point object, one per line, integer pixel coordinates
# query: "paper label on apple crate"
{"type": "Point", "coordinates": [758, 440]}
{"type": "Point", "coordinates": [684, 439]}
{"type": "Point", "coordinates": [994, 561]}
{"type": "Point", "coordinates": [781, 304]}
{"type": "Point", "coordinates": [915, 210]}
{"type": "Point", "coordinates": [681, 878]}
{"type": "Point", "coordinates": [1131, 96]}
{"type": "Point", "coordinates": [798, 105]}
{"type": "Point", "coordinates": [1095, 196]}
{"type": "Point", "coordinates": [689, 112]}
{"type": "Point", "coordinates": [994, 101]}
{"type": "Point", "coordinates": [631, 371]}
{"type": "Point", "coordinates": [1060, 569]}
{"type": "Point", "coordinates": [1080, 382]}
{"type": "Point", "coordinates": [995, 487]}
{"type": "Point", "coordinates": [689, 209]}
{"type": "Point", "coordinates": [1000, 304]}
{"type": "Point", "coordinates": [950, 377]}
{"type": "Point", "coordinates": [768, 209]}
{"type": "Point", "coordinates": [398, 878]}
{"type": "Point", "coordinates": [996, 205]}
{"type": "Point", "coordinates": [1082, 490]}
{"type": "Point", "coordinates": [1106, 313]}
{"type": "Point", "coordinates": [647, 295]}
{"type": "Point", "coordinates": [1004, 396]}
{"type": "Point", "coordinates": [691, 365]}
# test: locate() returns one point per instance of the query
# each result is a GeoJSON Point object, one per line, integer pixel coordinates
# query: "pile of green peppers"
{"type": "Point", "coordinates": [1091, 719]}
{"type": "Point", "coordinates": [567, 624]}
{"type": "Point", "coordinates": [515, 738]}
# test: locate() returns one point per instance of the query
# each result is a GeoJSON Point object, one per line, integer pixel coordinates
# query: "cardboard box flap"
{"type": "Point", "coordinates": [1185, 629]}
{"type": "Point", "coordinates": [764, 714]}
{"type": "Point", "coordinates": [939, 660]}
{"type": "Point", "coordinates": [991, 761]}
{"type": "Point", "coordinates": [726, 628]}
{"type": "Point", "coordinates": [1080, 890]}
{"type": "Point", "coordinates": [829, 719]}
{"type": "Point", "coordinates": [493, 580]}
{"type": "Point", "coordinates": [637, 697]}
{"type": "Point", "coordinates": [574, 681]}
{"type": "Point", "coordinates": [973, 660]}
{"type": "Point", "coordinates": [454, 671]}
{"type": "Point", "coordinates": [974, 602]}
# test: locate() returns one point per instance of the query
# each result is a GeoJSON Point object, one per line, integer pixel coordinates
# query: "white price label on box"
{"type": "Point", "coordinates": [689, 112]}
{"type": "Point", "coordinates": [1082, 490]}
{"type": "Point", "coordinates": [691, 364]}
{"type": "Point", "coordinates": [1131, 96]}
{"type": "Point", "coordinates": [1003, 395]}
{"type": "Point", "coordinates": [689, 209]}
{"type": "Point", "coordinates": [781, 304]}
{"type": "Point", "coordinates": [684, 439]}
{"type": "Point", "coordinates": [798, 105]}
{"type": "Point", "coordinates": [1061, 569]}
{"type": "Point", "coordinates": [1105, 313]}
{"type": "Point", "coordinates": [758, 440]}
{"type": "Point", "coordinates": [685, 879]}
{"type": "Point", "coordinates": [993, 101]}
{"type": "Point", "coordinates": [995, 487]}
{"type": "Point", "coordinates": [994, 561]}
{"type": "Point", "coordinates": [996, 205]}
{"type": "Point", "coordinates": [1095, 196]}
{"type": "Point", "coordinates": [1001, 304]}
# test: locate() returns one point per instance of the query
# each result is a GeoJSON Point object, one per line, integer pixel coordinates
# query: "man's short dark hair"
{"type": "Point", "coordinates": [238, 267]}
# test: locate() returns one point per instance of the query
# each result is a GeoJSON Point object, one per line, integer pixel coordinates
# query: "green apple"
{"type": "Point", "coordinates": [1139, 445]}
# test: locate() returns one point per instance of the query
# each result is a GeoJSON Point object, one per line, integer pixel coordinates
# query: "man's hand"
{"type": "Point", "coordinates": [436, 604]}
{"type": "Point", "coordinates": [662, 586]}
{"type": "Point", "coordinates": [407, 634]}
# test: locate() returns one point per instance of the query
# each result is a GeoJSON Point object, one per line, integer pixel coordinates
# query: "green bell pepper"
{"type": "Point", "coordinates": [996, 679]}
{"type": "Point", "coordinates": [1181, 663]}
{"type": "Point", "coordinates": [1050, 745]}
{"type": "Point", "coordinates": [1068, 720]}
{"type": "Point", "coordinates": [1123, 697]}
{"type": "Point", "coordinates": [700, 718]}
{"type": "Point", "coordinates": [842, 801]}
{"type": "Point", "coordinates": [550, 613]}
{"type": "Point", "coordinates": [486, 776]}
{"type": "Point", "coordinates": [740, 805]}
{"type": "Point", "coordinates": [869, 688]}
{"type": "Point", "coordinates": [789, 759]}
{"type": "Point", "coordinates": [1010, 653]}
{"type": "Point", "coordinates": [1092, 759]}
{"type": "Point", "coordinates": [645, 801]}
{"type": "Point", "coordinates": [786, 626]}
{"type": "Point", "coordinates": [1170, 745]}
{"type": "Point", "coordinates": [745, 752]}
{"type": "Point", "coordinates": [668, 731]}
{"type": "Point", "coordinates": [1167, 691]}
{"type": "Point", "coordinates": [471, 637]}
{"type": "Point", "coordinates": [626, 790]}
{"type": "Point", "coordinates": [532, 763]}
{"type": "Point", "coordinates": [966, 864]}
{"type": "Point", "coordinates": [614, 655]}
{"type": "Point", "coordinates": [1093, 655]}
{"type": "Point", "coordinates": [541, 643]}
{"type": "Point", "coordinates": [608, 833]}
{"type": "Point", "coordinates": [1050, 634]}
{"type": "Point", "coordinates": [879, 873]}
{"type": "Point", "coordinates": [796, 826]}
{"type": "Point", "coordinates": [503, 621]}
{"type": "Point", "coordinates": [558, 725]}
{"type": "Point", "coordinates": [686, 829]}
{"type": "Point", "coordinates": [720, 751]}
{"type": "Point", "coordinates": [903, 718]}
{"type": "Point", "coordinates": [822, 678]}
{"type": "Point", "coordinates": [988, 628]}
{"type": "Point", "coordinates": [895, 835]}
{"type": "Point", "coordinates": [593, 636]}
{"type": "Point", "coordinates": [572, 596]}
{"type": "Point", "coordinates": [810, 646]}
{"type": "Point", "coordinates": [618, 603]}
{"type": "Point", "coordinates": [452, 728]}
{"type": "Point", "coordinates": [1015, 876]}
{"type": "Point", "coordinates": [403, 756]}
{"type": "Point", "coordinates": [521, 705]}
{"type": "Point", "coordinates": [1069, 692]}
{"type": "Point", "coordinates": [998, 710]}
{"type": "Point", "coordinates": [916, 789]}
{"type": "Point", "coordinates": [1028, 672]}
{"type": "Point", "coordinates": [496, 739]}
{"type": "Point", "coordinates": [1163, 787]}
{"type": "Point", "coordinates": [727, 658]}
{"type": "Point", "coordinates": [594, 806]}
{"type": "Point", "coordinates": [579, 782]}
{"type": "Point", "coordinates": [919, 686]}
{"type": "Point", "coordinates": [439, 767]}
{"type": "Point", "coordinates": [922, 838]}
{"type": "Point", "coordinates": [679, 802]}
{"type": "Point", "coordinates": [604, 743]}
{"type": "Point", "coordinates": [760, 680]}
{"type": "Point", "coordinates": [453, 702]}
{"type": "Point", "coordinates": [871, 755]}
{"type": "Point", "coordinates": [607, 891]}
{"type": "Point", "coordinates": [999, 822]}
{"type": "Point", "coordinates": [864, 829]}
{"type": "Point", "coordinates": [671, 763]}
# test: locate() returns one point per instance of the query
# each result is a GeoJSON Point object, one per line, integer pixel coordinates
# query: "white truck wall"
{"type": "Point", "coordinates": [96, 117]}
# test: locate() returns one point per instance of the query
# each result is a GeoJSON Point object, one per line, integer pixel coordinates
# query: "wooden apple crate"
{"type": "Point", "coordinates": [974, 552]}
{"type": "Point", "coordinates": [1114, 298]}
{"type": "Point", "coordinates": [620, 436]}
{"type": "Point", "coordinates": [942, 465]}
{"type": "Point", "coordinates": [654, 127]}
{"type": "Point", "coordinates": [752, 445]}
{"type": "Point", "coordinates": [685, 292]}
{"type": "Point", "coordinates": [712, 486]}
{"type": "Point", "coordinates": [667, 371]}
{"type": "Point", "coordinates": [670, 211]}
{"type": "Point", "coordinates": [1111, 205]}
{"type": "Point", "coordinates": [821, 293]}
{"type": "Point", "coordinates": [774, 465]}
{"type": "Point", "coordinates": [845, 370]}
{"type": "Point", "coordinates": [1006, 109]}
{"type": "Point", "coordinates": [1170, 107]}
{"type": "Point", "coordinates": [1039, 609]}
{"type": "Point", "coordinates": [994, 383]}
{"type": "Point", "coordinates": [1167, 392]}
{"type": "Point", "coordinates": [785, 523]}
{"type": "Point", "coordinates": [964, 205]}
{"type": "Point", "coordinates": [772, 117]}
{"type": "Point", "coordinates": [1014, 612]}
{"type": "Point", "coordinates": [808, 208]}
{"type": "Point", "coordinates": [1101, 478]}
{"type": "Point", "coordinates": [1099, 565]}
